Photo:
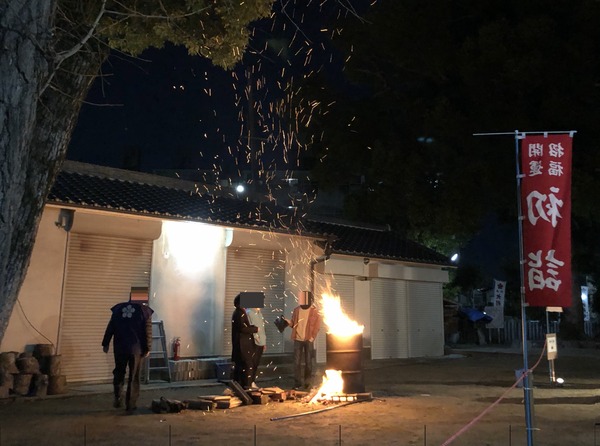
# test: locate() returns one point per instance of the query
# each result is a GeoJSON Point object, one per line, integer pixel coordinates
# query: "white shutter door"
{"type": "Point", "coordinates": [256, 270]}
{"type": "Point", "coordinates": [389, 331]}
{"type": "Point", "coordinates": [426, 319]}
{"type": "Point", "coordinates": [342, 286]}
{"type": "Point", "coordinates": [100, 273]}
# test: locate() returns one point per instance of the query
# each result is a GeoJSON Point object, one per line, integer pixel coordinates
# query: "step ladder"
{"type": "Point", "coordinates": [158, 359]}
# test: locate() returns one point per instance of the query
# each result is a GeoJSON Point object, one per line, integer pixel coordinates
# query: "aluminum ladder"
{"type": "Point", "coordinates": [158, 359]}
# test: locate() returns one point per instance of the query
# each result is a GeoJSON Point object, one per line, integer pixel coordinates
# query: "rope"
{"type": "Point", "coordinates": [494, 404]}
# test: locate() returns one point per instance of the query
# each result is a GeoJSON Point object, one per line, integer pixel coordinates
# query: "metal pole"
{"type": "Point", "coordinates": [551, 361]}
{"type": "Point", "coordinates": [527, 391]}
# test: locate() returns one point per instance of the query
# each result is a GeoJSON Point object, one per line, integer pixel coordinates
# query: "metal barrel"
{"type": "Point", "coordinates": [345, 353]}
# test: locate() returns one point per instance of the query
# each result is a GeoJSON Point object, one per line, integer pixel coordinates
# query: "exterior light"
{"type": "Point", "coordinates": [454, 257]}
{"type": "Point", "coordinates": [240, 188]}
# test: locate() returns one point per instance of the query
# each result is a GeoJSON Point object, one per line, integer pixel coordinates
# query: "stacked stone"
{"type": "Point", "coordinates": [192, 369]}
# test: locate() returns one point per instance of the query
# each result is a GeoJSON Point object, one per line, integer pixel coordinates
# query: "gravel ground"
{"type": "Point", "coordinates": [415, 402]}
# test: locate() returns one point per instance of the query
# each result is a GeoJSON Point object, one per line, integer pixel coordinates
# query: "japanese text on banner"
{"type": "Point", "coordinates": [546, 205]}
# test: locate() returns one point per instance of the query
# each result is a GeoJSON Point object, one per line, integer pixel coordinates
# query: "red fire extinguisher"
{"type": "Point", "coordinates": [176, 348]}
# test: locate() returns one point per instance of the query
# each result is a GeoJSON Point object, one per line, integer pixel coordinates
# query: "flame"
{"type": "Point", "coordinates": [333, 384]}
{"type": "Point", "coordinates": [338, 323]}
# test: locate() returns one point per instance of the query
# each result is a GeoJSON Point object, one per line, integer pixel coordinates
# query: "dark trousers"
{"type": "Point", "coordinates": [243, 369]}
{"type": "Point", "coordinates": [122, 363]}
{"type": "Point", "coordinates": [258, 352]}
{"type": "Point", "coordinates": [303, 352]}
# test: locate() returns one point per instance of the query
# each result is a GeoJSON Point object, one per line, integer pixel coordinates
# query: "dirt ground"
{"type": "Point", "coordinates": [415, 402]}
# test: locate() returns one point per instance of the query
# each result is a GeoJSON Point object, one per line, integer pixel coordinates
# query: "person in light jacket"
{"type": "Point", "coordinates": [305, 324]}
{"type": "Point", "coordinates": [260, 341]}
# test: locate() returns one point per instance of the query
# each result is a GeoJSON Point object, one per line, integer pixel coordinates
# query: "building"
{"type": "Point", "coordinates": [106, 230]}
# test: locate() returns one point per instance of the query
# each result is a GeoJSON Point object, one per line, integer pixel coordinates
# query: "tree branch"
{"type": "Point", "coordinates": [66, 54]}
{"type": "Point", "coordinates": [60, 58]}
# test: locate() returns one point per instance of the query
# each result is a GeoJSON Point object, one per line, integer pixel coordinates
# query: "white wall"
{"type": "Point", "coordinates": [363, 272]}
{"type": "Point", "coordinates": [375, 269]}
{"type": "Point", "coordinates": [40, 295]}
{"type": "Point", "coordinates": [362, 308]}
{"type": "Point", "coordinates": [188, 285]}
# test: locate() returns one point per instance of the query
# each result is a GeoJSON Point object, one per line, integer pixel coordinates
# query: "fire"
{"type": "Point", "coordinates": [333, 384]}
{"type": "Point", "coordinates": [338, 323]}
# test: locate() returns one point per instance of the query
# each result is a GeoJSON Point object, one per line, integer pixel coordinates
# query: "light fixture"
{"type": "Point", "coordinates": [454, 257]}
{"type": "Point", "coordinates": [240, 188]}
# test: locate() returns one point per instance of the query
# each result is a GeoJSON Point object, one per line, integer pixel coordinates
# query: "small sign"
{"type": "Point", "coordinates": [552, 346]}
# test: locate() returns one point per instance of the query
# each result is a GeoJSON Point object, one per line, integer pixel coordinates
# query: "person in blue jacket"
{"type": "Point", "coordinates": [130, 327]}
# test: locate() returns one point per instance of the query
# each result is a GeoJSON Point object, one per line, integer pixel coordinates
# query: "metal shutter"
{"type": "Point", "coordinates": [256, 270]}
{"type": "Point", "coordinates": [100, 273]}
{"type": "Point", "coordinates": [389, 328]}
{"type": "Point", "coordinates": [342, 286]}
{"type": "Point", "coordinates": [426, 319]}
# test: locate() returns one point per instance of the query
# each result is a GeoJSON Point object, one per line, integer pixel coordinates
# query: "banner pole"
{"type": "Point", "coordinates": [527, 390]}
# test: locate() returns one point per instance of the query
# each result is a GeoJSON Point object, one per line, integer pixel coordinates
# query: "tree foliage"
{"type": "Point", "coordinates": [427, 76]}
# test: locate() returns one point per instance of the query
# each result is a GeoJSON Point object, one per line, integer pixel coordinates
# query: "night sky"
{"type": "Point", "coordinates": [168, 110]}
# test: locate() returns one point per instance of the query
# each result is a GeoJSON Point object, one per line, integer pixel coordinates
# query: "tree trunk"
{"type": "Point", "coordinates": [39, 105]}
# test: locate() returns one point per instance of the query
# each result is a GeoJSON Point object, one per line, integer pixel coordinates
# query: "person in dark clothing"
{"type": "Point", "coordinates": [242, 345]}
{"type": "Point", "coordinates": [130, 327]}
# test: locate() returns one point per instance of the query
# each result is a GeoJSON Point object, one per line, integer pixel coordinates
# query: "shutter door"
{"type": "Point", "coordinates": [389, 330]}
{"type": "Point", "coordinates": [256, 270]}
{"type": "Point", "coordinates": [100, 273]}
{"type": "Point", "coordinates": [426, 319]}
{"type": "Point", "coordinates": [342, 286]}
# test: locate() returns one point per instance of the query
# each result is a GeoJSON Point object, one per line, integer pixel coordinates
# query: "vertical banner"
{"type": "Point", "coordinates": [499, 292]}
{"type": "Point", "coordinates": [546, 207]}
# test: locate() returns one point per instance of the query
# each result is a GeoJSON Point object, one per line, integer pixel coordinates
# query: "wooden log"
{"type": "Point", "coordinates": [54, 365]}
{"type": "Point", "coordinates": [259, 398]}
{"type": "Point", "coordinates": [7, 379]}
{"type": "Point", "coordinates": [7, 362]}
{"type": "Point", "coordinates": [28, 365]}
{"type": "Point", "coordinates": [200, 404]}
{"type": "Point", "coordinates": [22, 383]}
{"type": "Point", "coordinates": [39, 386]}
{"type": "Point", "coordinates": [230, 404]}
{"type": "Point", "coordinates": [279, 396]}
{"type": "Point", "coordinates": [43, 350]}
{"type": "Point", "coordinates": [57, 385]}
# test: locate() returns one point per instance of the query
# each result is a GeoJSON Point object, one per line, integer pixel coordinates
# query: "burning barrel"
{"type": "Point", "coordinates": [345, 353]}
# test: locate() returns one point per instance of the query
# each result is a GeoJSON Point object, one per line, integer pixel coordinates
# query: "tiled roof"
{"type": "Point", "coordinates": [133, 197]}
{"type": "Point", "coordinates": [94, 187]}
{"type": "Point", "coordinates": [374, 243]}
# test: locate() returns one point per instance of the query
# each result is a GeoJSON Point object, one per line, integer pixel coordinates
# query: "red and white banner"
{"type": "Point", "coordinates": [546, 207]}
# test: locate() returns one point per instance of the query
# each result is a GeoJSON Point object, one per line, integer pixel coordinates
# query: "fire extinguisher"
{"type": "Point", "coordinates": [176, 348]}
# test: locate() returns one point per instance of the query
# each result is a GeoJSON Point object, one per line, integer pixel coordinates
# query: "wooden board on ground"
{"type": "Point", "coordinates": [215, 397]}
{"type": "Point", "coordinates": [240, 392]}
